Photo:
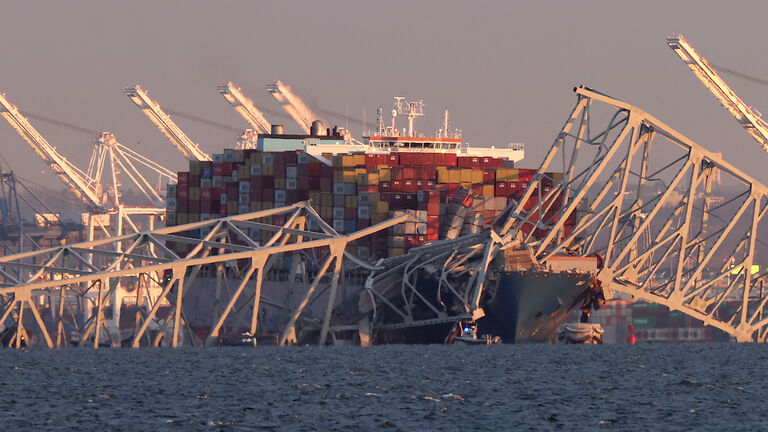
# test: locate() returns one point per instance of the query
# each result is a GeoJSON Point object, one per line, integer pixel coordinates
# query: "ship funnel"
{"type": "Point", "coordinates": [277, 129]}
{"type": "Point", "coordinates": [317, 128]}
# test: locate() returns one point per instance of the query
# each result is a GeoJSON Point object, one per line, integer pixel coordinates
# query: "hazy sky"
{"type": "Point", "coordinates": [504, 69]}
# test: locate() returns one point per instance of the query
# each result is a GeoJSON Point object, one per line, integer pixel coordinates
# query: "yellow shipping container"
{"type": "Point", "coordinates": [314, 196]}
{"type": "Point", "coordinates": [382, 207]}
{"type": "Point", "coordinates": [279, 183]}
{"type": "Point", "coordinates": [488, 190]}
{"type": "Point", "coordinates": [326, 199]}
{"type": "Point", "coordinates": [385, 174]}
{"type": "Point", "coordinates": [266, 205]}
{"type": "Point", "coordinates": [243, 172]}
{"type": "Point", "coordinates": [466, 175]}
{"type": "Point", "coordinates": [255, 206]}
{"type": "Point", "coordinates": [326, 213]}
{"type": "Point", "coordinates": [195, 167]}
{"type": "Point", "coordinates": [232, 207]}
{"type": "Point", "coordinates": [349, 176]}
{"type": "Point", "coordinates": [380, 217]}
{"type": "Point", "coordinates": [557, 176]}
{"type": "Point", "coordinates": [362, 179]}
{"type": "Point", "coordinates": [255, 158]}
{"type": "Point", "coordinates": [373, 178]}
{"type": "Point", "coordinates": [350, 201]}
{"type": "Point", "coordinates": [194, 194]}
{"type": "Point", "coordinates": [193, 217]}
{"type": "Point", "coordinates": [338, 176]}
{"type": "Point", "coordinates": [182, 218]}
{"type": "Point", "coordinates": [477, 177]}
{"type": "Point", "coordinates": [347, 161]}
{"type": "Point", "coordinates": [359, 159]}
{"type": "Point", "coordinates": [267, 170]}
{"type": "Point", "coordinates": [393, 252]}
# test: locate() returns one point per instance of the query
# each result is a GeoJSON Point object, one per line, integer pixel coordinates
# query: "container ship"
{"type": "Point", "coordinates": [448, 190]}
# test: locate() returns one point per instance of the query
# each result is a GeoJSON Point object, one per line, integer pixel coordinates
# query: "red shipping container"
{"type": "Point", "coordinates": [385, 197]}
{"type": "Point", "coordinates": [257, 182]}
{"type": "Point", "coordinates": [450, 159]}
{"type": "Point", "coordinates": [205, 205]}
{"type": "Point", "coordinates": [410, 200]}
{"type": "Point", "coordinates": [216, 194]}
{"type": "Point", "coordinates": [291, 157]}
{"type": "Point", "coordinates": [410, 186]}
{"type": "Point", "coordinates": [302, 170]}
{"type": "Point", "coordinates": [398, 173]}
{"type": "Point", "coordinates": [326, 171]}
{"type": "Point", "coordinates": [279, 159]}
{"type": "Point", "coordinates": [313, 169]}
{"type": "Point", "coordinates": [232, 190]}
{"type": "Point", "coordinates": [502, 189]}
{"type": "Point", "coordinates": [397, 186]}
{"type": "Point", "coordinates": [194, 180]}
{"type": "Point", "coordinates": [393, 159]}
{"type": "Point", "coordinates": [452, 188]}
{"type": "Point", "coordinates": [182, 191]}
{"type": "Point", "coordinates": [350, 213]}
{"type": "Point", "coordinates": [385, 186]}
{"type": "Point", "coordinates": [371, 161]}
{"type": "Point", "coordinates": [268, 195]}
{"type": "Point", "coordinates": [205, 193]}
{"type": "Point", "coordinates": [183, 178]}
{"type": "Point", "coordinates": [429, 173]}
{"type": "Point", "coordinates": [257, 194]}
{"type": "Point", "coordinates": [182, 205]}
{"type": "Point", "coordinates": [303, 183]}
{"type": "Point", "coordinates": [278, 219]}
{"type": "Point", "coordinates": [489, 177]}
{"type": "Point", "coordinates": [428, 159]}
{"type": "Point", "coordinates": [223, 211]}
{"type": "Point", "coordinates": [369, 188]}
{"type": "Point", "coordinates": [194, 207]}
{"type": "Point", "coordinates": [292, 196]}
{"type": "Point", "coordinates": [326, 184]}
{"type": "Point", "coordinates": [430, 196]}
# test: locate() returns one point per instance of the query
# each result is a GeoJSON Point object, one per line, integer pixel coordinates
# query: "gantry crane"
{"type": "Point", "coordinates": [244, 106]}
{"type": "Point", "coordinates": [292, 104]}
{"type": "Point", "coordinates": [86, 189]}
{"type": "Point", "coordinates": [88, 186]}
{"type": "Point", "coordinates": [163, 121]}
{"type": "Point", "coordinates": [746, 116]}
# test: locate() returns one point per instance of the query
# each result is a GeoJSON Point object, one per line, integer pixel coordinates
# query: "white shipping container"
{"type": "Point", "coordinates": [244, 186]}
{"type": "Point", "coordinates": [243, 209]}
{"type": "Point", "coordinates": [267, 159]}
{"type": "Point", "coordinates": [244, 199]}
{"type": "Point", "coordinates": [170, 203]}
{"type": "Point", "coordinates": [338, 212]}
{"type": "Point", "coordinates": [363, 212]}
{"type": "Point", "coordinates": [303, 158]}
{"type": "Point", "coordinates": [279, 195]}
{"type": "Point", "coordinates": [223, 199]}
{"type": "Point", "coordinates": [256, 170]}
{"type": "Point", "coordinates": [170, 190]}
{"type": "Point", "coordinates": [291, 172]}
{"type": "Point", "coordinates": [217, 158]}
{"type": "Point", "coordinates": [217, 181]}
{"type": "Point", "coordinates": [338, 225]}
{"type": "Point", "coordinates": [363, 198]}
{"type": "Point", "coordinates": [205, 182]}
{"type": "Point", "coordinates": [338, 189]}
{"type": "Point", "coordinates": [291, 184]}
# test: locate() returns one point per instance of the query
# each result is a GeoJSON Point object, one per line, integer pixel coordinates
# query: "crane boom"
{"type": "Point", "coordinates": [84, 188]}
{"type": "Point", "coordinates": [244, 106]}
{"type": "Point", "coordinates": [746, 116]}
{"type": "Point", "coordinates": [292, 104]}
{"type": "Point", "coordinates": [163, 121]}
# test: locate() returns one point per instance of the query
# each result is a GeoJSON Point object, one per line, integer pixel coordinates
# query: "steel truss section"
{"type": "Point", "coordinates": [38, 289]}
{"type": "Point", "coordinates": [674, 223]}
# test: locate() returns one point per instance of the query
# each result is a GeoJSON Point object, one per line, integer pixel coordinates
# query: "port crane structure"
{"type": "Point", "coordinates": [749, 118]}
{"type": "Point", "coordinates": [245, 107]}
{"type": "Point", "coordinates": [646, 205]}
{"type": "Point", "coordinates": [292, 104]}
{"type": "Point", "coordinates": [163, 121]}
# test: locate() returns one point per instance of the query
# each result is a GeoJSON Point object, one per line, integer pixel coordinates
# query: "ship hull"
{"type": "Point", "coordinates": [531, 306]}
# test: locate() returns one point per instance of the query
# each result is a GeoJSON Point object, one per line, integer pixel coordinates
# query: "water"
{"type": "Point", "coordinates": [410, 388]}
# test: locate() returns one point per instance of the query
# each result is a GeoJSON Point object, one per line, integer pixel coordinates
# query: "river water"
{"type": "Point", "coordinates": [410, 388]}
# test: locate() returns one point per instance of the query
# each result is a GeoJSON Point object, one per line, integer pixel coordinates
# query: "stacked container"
{"type": "Point", "coordinates": [444, 195]}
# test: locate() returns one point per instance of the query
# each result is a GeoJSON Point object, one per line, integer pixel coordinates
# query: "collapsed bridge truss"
{"type": "Point", "coordinates": [674, 223]}
{"type": "Point", "coordinates": [93, 272]}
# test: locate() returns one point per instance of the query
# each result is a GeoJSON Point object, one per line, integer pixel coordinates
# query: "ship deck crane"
{"type": "Point", "coordinates": [749, 118]}
{"type": "Point", "coordinates": [292, 104]}
{"type": "Point", "coordinates": [163, 121]}
{"type": "Point", "coordinates": [244, 106]}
